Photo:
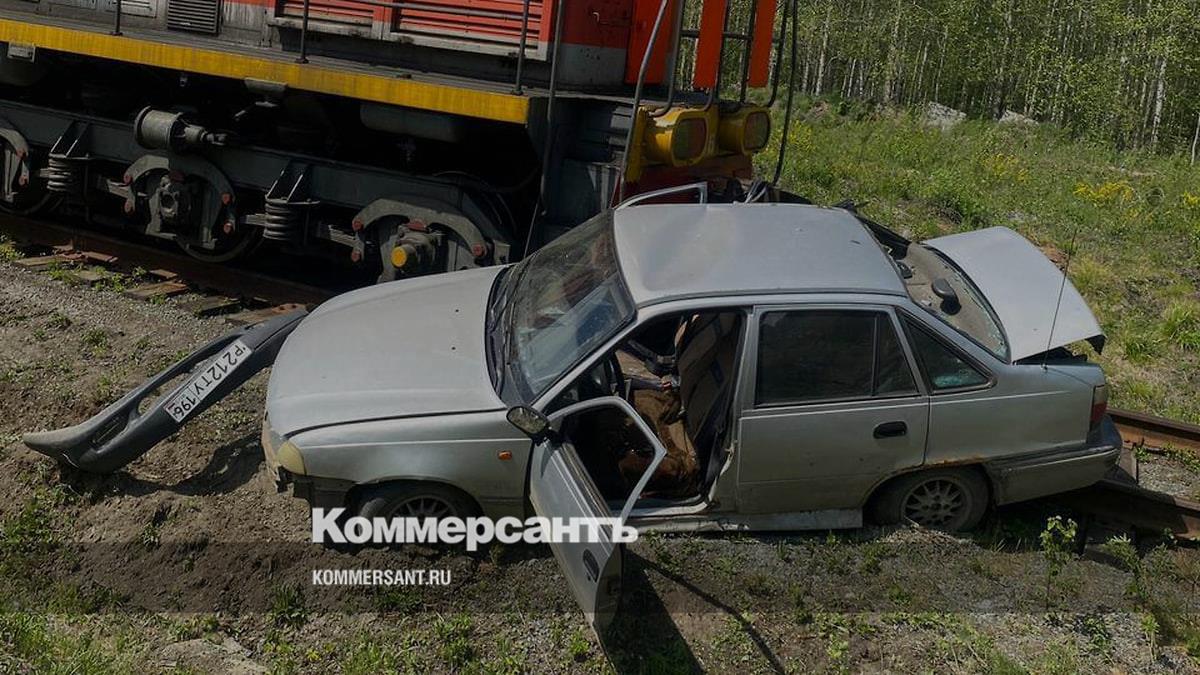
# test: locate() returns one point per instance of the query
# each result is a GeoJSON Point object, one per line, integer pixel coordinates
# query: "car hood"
{"type": "Point", "coordinates": [1023, 287]}
{"type": "Point", "coordinates": [399, 349]}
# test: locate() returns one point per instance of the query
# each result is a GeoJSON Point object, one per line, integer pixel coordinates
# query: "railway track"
{"type": "Point", "coordinates": [1119, 498]}
{"type": "Point", "coordinates": [243, 294]}
{"type": "Point", "coordinates": [1156, 432]}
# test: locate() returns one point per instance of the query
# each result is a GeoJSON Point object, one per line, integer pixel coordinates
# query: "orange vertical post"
{"type": "Point", "coordinates": [760, 43]}
{"type": "Point", "coordinates": [708, 45]}
{"type": "Point", "coordinates": [644, 14]}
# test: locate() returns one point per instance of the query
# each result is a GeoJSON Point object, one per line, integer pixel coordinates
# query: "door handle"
{"type": "Point", "coordinates": [891, 430]}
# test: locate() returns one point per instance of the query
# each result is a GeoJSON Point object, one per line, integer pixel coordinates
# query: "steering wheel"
{"type": "Point", "coordinates": [616, 379]}
{"type": "Point", "coordinates": [604, 379]}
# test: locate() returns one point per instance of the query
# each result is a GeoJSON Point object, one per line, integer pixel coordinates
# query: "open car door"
{"type": "Point", "coordinates": [560, 487]}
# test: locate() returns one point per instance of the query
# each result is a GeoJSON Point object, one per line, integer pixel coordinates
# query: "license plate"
{"type": "Point", "coordinates": [203, 382]}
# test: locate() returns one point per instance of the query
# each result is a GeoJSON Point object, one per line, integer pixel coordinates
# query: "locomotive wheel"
{"type": "Point", "coordinates": [31, 198]}
{"type": "Point", "coordinates": [29, 202]}
{"type": "Point", "coordinates": [229, 247]}
{"type": "Point", "coordinates": [186, 209]}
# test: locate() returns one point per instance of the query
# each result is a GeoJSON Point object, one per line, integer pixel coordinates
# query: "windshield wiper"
{"type": "Point", "coordinates": [500, 336]}
{"type": "Point", "coordinates": [511, 318]}
{"type": "Point", "coordinates": [495, 309]}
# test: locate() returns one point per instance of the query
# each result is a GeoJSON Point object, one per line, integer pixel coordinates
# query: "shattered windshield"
{"type": "Point", "coordinates": [568, 298]}
{"type": "Point", "coordinates": [922, 268]}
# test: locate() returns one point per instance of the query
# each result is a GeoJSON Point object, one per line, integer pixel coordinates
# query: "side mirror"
{"type": "Point", "coordinates": [532, 423]}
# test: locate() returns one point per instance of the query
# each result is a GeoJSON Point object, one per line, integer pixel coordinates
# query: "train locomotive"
{"type": "Point", "coordinates": [405, 137]}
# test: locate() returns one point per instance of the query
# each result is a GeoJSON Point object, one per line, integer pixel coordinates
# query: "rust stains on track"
{"type": "Point", "coordinates": [1150, 430]}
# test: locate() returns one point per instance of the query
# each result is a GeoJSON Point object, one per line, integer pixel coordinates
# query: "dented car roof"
{"type": "Point", "coordinates": [673, 251]}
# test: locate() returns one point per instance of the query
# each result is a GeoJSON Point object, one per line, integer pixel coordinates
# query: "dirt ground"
{"type": "Point", "coordinates": [189, 560]}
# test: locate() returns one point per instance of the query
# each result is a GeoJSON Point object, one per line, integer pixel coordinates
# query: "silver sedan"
{"type": "Point", "coordinates": [701, 367]}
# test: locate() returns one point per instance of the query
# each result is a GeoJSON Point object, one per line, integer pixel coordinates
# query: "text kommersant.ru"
{"type": "Point", "coordinates": [328, 526]}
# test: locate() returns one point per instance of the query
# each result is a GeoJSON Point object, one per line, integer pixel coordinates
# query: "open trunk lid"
{"type": "Point", "coordinates": [1023, 288]}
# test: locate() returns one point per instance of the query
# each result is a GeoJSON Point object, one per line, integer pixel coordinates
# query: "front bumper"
{"type": "Point", "coordinates": [1030, 477]}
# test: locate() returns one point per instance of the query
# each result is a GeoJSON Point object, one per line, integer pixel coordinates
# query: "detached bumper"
{"type": "Point", "coordinates": [1030, 477]}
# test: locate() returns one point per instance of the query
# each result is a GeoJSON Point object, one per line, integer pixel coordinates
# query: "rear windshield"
{"type": "Point", "coordinates": [971, 316]}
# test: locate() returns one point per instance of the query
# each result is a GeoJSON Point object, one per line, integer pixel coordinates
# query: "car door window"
{"type": "Point", "coordinates": [944, 368]}
{"type": "Point", "coordinates": [814, 355]}
{"type": "Point", "coordinates": [893, 376]}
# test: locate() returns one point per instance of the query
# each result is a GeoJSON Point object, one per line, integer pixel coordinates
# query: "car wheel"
{"type": "Point", "coordinates": [952, 500]}
{"type": "Point", "coordinates": [415, 500]}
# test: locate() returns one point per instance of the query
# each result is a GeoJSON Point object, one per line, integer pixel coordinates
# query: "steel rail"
{"type": "Point", "coordinates": [1143, 429]}
{"type": "Point", "coordinates": [1130, 504]}
{"type": "Point", "coordinates": [1120, 499]}
{"type": "Point", "coordinates": [230, 281]}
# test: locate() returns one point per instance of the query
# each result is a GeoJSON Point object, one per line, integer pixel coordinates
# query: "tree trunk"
{"type": "Point", "coordinates": [824, 49]}
{"type": "Point", "coordinates": [1195, 137]}
{"type": "Point", "coordinates": [893, 55]}
{"type": "Point", "coordinates": [1159, 95]}
{"type": "Point", "coordinates": [917, 91]}
{"type": "Point", "coordinates": [937, 77]}
{"type": "Point", "coordinates": [807, 63]}
{"type": "Point", "coordinates": [1002, 79]}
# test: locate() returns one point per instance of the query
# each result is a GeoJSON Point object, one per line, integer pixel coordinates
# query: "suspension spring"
{"type": "Point", "coordinates": [64, 175]}
{"type": "Point", "coordinates": [283, 221]}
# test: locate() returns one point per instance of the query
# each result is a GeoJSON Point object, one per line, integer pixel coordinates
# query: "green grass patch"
{"type": "Point", "coordinates": [8, 252]}
{"type": "Point", "coordinates": [454, 645]}
{"type": "Point", "coordinates": [45, 647]}
{"type": "Point", "coordinates": [288, 607]}
{"type": "Point", "coordinates": [1134, 219]}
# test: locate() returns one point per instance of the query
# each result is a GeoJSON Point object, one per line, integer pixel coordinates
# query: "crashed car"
{"type": "Point", "coordinates": [688, 367]}
{"type": "Point", "coordinates": [771, 366]}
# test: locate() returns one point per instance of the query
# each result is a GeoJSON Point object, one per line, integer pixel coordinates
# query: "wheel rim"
{"type": "Point", "coordinates": [424, 506]}
{"type": "Point", "coordinates": [941, 503]}
{"type": "Point", "coordinates": [229, 247]}
{"type": "Point", "coordinates": [31, 206]}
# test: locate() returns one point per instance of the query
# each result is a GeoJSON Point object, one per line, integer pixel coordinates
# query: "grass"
{"type": "Point", "coordinates": [29, 536]}
{"type": "Point", "coordinates": [1134, 219]}
{"type": "Point", "coordinates": [49, 648]}
{"type": "Point", "coordinates": [96, 341]}
{"type": "Point", "coordinates": [455, 646]}
{"type": "Point", "coordinates": [367, 655]}
{"type": "Point", "coordinates": [8, 252]}
{"type": "Point", "coordinates": [58, 322]}
{"type": "Point", "coordinates": [48, 640]}
{"type": "Point", "coordinates": [195, 627]}
{"type": "Point", "coordinates": [578, 646]}
{"type": "Point", "coordinates": [288, 609]}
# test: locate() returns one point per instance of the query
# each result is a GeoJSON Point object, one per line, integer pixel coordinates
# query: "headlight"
{"type": "Point", "coordinates": [679, 138]}
{"type": "Point", "coordinates": [285, 452]}
{"type": "Point", "coordinates": [744, 132]}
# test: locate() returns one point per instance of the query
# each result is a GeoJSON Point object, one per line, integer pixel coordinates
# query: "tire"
{"type": "Point", "coordinates": [952, 500]}
{"type": "Point", "coordinates": [419, 499]}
